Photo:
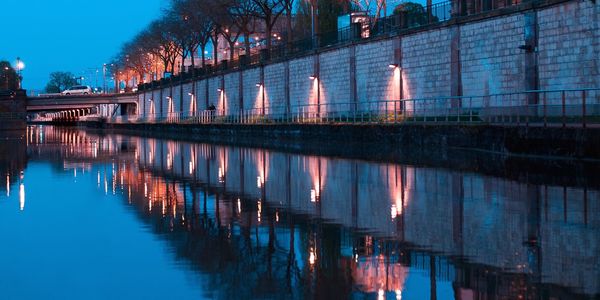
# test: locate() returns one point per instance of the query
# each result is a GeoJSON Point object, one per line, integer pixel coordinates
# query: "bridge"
{"type": "Point", "coordinates": [59, 107]}
{"type": "Point", "coordinates": [57, 102]}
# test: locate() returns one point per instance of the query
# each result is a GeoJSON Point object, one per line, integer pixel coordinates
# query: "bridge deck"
{"type": "Point", "coordinates": [63, 102]}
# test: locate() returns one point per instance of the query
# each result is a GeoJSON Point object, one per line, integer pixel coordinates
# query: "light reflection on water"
{"type": "Point", "coordinates": [115, 216]}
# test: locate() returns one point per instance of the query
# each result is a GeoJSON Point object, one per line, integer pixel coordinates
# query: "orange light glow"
{"type": "Point", "coordinates": [312, 256]}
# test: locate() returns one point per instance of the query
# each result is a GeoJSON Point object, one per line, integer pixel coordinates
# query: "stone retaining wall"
{"type": "Point", "coordinates": [545, 47]}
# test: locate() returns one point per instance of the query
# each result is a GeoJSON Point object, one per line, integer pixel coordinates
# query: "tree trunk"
{"type": "Point", "coordinates": [247, 43]}
{"type": "Point", "coordinates": [269, 27]}
{"type": "Point", "coordinates": [192, 57]}
{"type": "Point", "coordinates": [215, 41]}
{"type": "Point", "coordinates": [182, 65]}
{"type": "Point", "coordinates": [166, 69]}
{"type": "Point", "coordinates": [289, 25]}
{"type": "Point", "coordinates": [231, 50]}
{"type": "Point", "coordinates": [203, 49]}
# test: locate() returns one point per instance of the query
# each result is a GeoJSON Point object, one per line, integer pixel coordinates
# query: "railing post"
{"type": "Point", "coordinates": [517, 111]}
{"type": "Point", "coordinates": [583, 109]}
{"type": "Point", "coordinates": [386, 112]}
{"type": "Point", "coordinates": [470, 109]}
{"type": "Point", "coordinates": [527, 107]}
{"type": "Point", "coordinates": [395, 111]}
{"type": "Point", "coordinates": [458, 107]}
{"type": "Point", "coordinates": [545, 111]}
{"type": "Point", "coordinates": [564, 116]}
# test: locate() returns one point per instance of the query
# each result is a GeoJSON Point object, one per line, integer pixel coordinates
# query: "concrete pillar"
{"type": "Point", "coordinates": [455, 66]}
{"type": "Point", "coordinates": [317, 71]}
{"type": "Point", "coordinates": [241, 90]}
{"type": "Point", "coordinates": [222, 94]}
{"type": "Point", "coordinates": [160, 103]}
{"type": "Point", "coordinates": [287, 87]}
{"type": "Point", "coordinates": [531, 55]}
{"type": "Point", "coordinates": [353, 89]}
{"type": "Point", "coordinates": [172, 100]}
{"type": "Point", "coordinates": [263, 91]}
{"type": "Point", "coordinates": [181, 94]}
{"type": "Point", "coordinates": [398, 62]}
{"type": "Point", "coordinates": [207, 93]}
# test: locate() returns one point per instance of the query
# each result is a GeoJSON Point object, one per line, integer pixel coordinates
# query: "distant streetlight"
{"type": "Point", "coordinates": [104, 78]}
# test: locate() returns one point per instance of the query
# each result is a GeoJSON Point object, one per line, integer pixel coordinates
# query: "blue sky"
{"type": "Point", "coordinates": [68, 35]}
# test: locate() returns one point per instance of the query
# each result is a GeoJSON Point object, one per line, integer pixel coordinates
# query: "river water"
{"type": "Point", "coordinates": [92, 216]}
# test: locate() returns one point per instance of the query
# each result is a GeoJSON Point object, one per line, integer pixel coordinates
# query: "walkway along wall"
{"type": "Point", "coordinates": [527, 47]}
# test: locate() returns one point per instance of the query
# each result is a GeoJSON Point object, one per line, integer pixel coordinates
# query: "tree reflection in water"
{"type": "Point", "coordinates": [268, 224]}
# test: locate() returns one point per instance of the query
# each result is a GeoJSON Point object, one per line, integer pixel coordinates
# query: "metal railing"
{"type": "Point", "coordinates": [577, 107]}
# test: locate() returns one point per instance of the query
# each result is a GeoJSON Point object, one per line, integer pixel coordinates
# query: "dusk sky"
{"type": "Point", "coordinates": [67, 35]}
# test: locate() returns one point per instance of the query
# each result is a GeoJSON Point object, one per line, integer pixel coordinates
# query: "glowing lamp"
{"type": "Point", "coordinates": [393, 66]}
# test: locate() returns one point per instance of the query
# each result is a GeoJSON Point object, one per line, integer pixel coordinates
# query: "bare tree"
{"type": "Point", "coordinates": [200, 23]}
{"type": "Point", "coordinates": [269, 11]}
{"type": "Point", "coordinates": [182, 33]}
{"type": "Point", "coordinates": [157, 39]}
{"type": "Point", "coordinates": [134, 57]}
{"type": "Point", "coordinates": [227, 25]}
{"type": "Point", "coordinates": [288, 7]}
{"type": "Point", "coordinates": [242, 13]}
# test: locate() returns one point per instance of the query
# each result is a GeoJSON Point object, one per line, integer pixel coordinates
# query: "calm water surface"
{"type": "Point", "coordinates": [88, 216]}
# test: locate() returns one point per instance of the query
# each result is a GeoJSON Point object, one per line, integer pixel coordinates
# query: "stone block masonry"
{"type": "Point", "coordinates": [426, 64]}
{"type": "Point", "coordinates": [252, 97]}
{"type": "Point", "coordinates": [569, 45]}
{"type": "Point", "coordinates": [491, 61]}
{"type": "Point", "coordinates": [275, 87]}
{"type": "Point", "coordinates": [372, 64]}
{"type": "Point", "coordinates": [547, 47]}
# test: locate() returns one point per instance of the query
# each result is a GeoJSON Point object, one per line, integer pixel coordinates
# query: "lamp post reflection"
{"type": "Point", "coordinates": [21, 192]}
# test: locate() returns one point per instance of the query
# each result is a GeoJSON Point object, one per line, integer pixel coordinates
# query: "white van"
{"type": "Point", "coordinates": [78, 90]}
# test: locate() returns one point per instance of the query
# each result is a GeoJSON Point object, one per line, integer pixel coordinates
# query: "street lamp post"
{"type": "Point", "coordinates": [104, 78]}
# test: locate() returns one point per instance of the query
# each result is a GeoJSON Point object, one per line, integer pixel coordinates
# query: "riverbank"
{"type": "Point", "coordinates": [483, 149]}
{"type": "Point", "coordinates": [577, 143]}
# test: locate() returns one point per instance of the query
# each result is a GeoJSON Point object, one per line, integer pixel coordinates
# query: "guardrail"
{"type": "Point", "coordinates": [578, 107]}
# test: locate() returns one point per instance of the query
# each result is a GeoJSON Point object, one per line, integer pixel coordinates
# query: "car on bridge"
{"type": "Point", "coordinates": [78, 90]}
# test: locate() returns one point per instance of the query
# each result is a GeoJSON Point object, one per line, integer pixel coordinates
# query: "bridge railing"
{"type": "Point", "coordinates": [578, 107]}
